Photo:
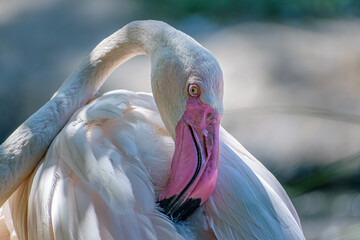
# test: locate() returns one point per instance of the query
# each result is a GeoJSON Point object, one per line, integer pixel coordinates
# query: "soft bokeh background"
{"type": "Point", "coordinates": [292, 82]}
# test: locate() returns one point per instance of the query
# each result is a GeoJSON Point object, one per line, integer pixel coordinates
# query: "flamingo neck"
{"type": "Point", "coordinates": [23, 149]}
{"type": "Point", "coordinates": [135, 38]}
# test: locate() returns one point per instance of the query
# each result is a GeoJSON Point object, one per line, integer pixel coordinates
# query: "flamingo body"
{"type": "Point", "coordinates": [116, 161]}
{"type": "Point", "coordinates": [103, 173]}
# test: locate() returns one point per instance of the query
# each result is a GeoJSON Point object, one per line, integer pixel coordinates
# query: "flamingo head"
{"type": "Point", "coordinates": [188, 90]}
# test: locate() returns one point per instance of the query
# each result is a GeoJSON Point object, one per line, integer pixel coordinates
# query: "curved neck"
{"type": "Point", "coordinates": [21, 152]}
{"type": "Point", "coordinates": [133, 39]}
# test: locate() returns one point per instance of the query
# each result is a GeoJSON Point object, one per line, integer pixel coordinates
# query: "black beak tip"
{"type": "Point", "coordinates": [178, 212]}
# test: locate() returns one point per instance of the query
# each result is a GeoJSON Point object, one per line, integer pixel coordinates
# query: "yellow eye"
{"type": "Point", "coordinates": [194, 90]}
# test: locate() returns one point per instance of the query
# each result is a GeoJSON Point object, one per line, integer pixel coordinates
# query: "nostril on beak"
{"type": "Point", "coordinates": [209, 117]}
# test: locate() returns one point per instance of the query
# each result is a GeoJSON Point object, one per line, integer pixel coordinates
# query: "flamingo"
{"type": "Point", "coordinates": [128, 165]}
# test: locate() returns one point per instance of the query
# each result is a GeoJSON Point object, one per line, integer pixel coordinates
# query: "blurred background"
{"type": "Point", "coordinates": [292, 82]}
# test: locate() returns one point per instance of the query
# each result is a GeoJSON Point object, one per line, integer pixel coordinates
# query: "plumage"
{"type": "Point", "coordinates": [105, 170]}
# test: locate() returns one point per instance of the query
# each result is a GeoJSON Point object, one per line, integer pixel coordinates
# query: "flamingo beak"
{"type": "Point", "coordinates": [195, 161]}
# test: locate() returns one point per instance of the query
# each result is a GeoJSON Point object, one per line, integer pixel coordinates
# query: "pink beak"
{"type": "Point", "coordinates": [194, 165]}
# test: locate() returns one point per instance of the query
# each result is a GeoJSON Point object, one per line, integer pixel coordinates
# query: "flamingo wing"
{"type": "Point", "coordinates": [248, 202]}
{"type": "Point", "coordinates": [94, 182]}
{"type": "Point", "coordinates": [103, 172]}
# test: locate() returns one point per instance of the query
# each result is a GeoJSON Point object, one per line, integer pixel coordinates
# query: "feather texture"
{"type": "Point", "coordinates": [103, 173]}
{"type": "Point", "coordinates": [93, 183]}
{"type": "Point", "coordinates": [248, 202]}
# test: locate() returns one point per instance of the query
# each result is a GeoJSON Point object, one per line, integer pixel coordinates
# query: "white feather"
{"type": "Point", "coordinates": [91, 185]}
{"type": "Point", "coordinates": [244, 205]}
{"type": "Point", "coordinates": [104, 170]}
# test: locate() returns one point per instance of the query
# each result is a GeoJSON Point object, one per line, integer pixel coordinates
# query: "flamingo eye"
{"type": "Point", "coordinates": [194, 90]}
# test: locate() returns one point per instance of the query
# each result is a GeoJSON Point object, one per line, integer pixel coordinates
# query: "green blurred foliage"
{"type": "Point", "coordinates": [342, 173]}
{"type": "Point", "coordinates": [252, 9]}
